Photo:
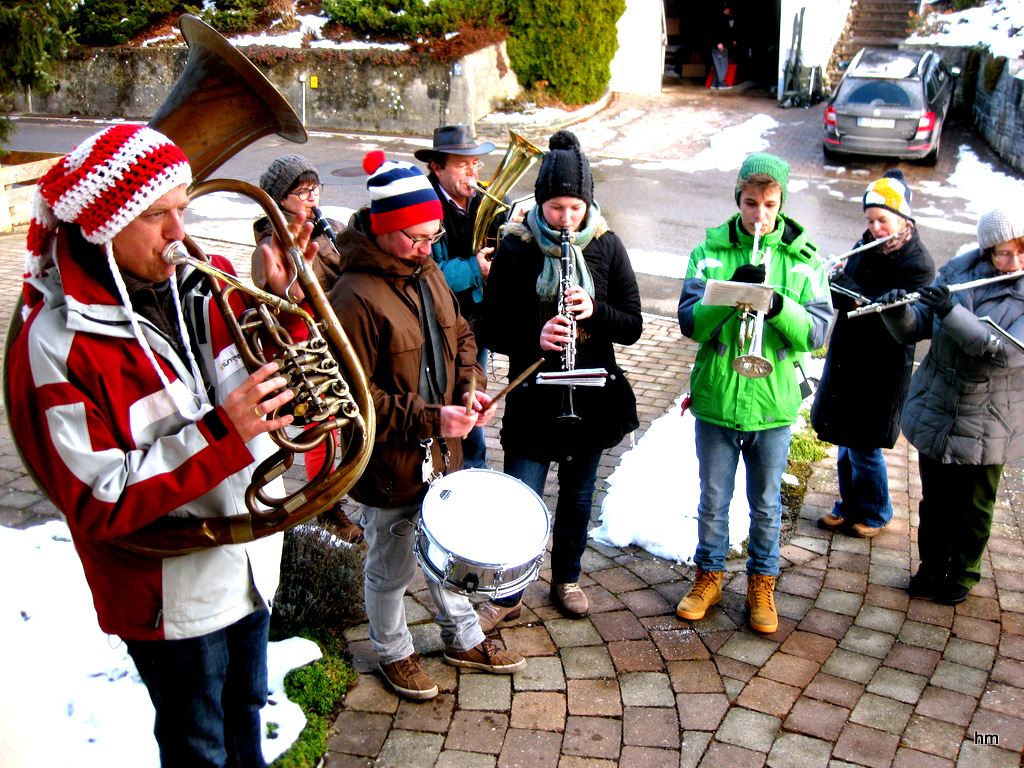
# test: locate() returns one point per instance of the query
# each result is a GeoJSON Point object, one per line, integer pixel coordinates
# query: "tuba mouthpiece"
{"type": "Point", "coordinates": [175, 253]}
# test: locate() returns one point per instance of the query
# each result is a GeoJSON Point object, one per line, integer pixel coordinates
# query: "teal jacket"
{"type": "Point", "coordinates": [720, 395]}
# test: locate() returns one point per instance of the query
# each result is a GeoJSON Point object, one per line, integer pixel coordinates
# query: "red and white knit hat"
{"type": "Point", "coordinates": [400, 195]}
{"type": "Point", "coordinates": [103, 185]}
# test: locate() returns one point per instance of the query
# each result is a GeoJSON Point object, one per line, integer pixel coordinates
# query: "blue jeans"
{"type": "Point", "coordinates": [474, 445]}
{"type": "Point", "coordinates": [208, 692]}
{"type": "Point", "coordinates": [863, 487]}
{"type": "Point", "coordinates": [389, 570]}
{"type": "Point", "coordinates": [764, 457]}
{"type": "Point", "coordinates": [577, 478]}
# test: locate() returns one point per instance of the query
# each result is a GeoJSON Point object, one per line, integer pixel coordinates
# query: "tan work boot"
{"type": "Point", "coordinates": [761, 602]}
{"type": "Point", "coordinates": [705, 592]}
{"type": "Point", "coordinates": [408, 679]}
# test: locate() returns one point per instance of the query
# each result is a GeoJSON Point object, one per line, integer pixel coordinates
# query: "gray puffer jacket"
{"type": "Point", "coordinates": [966, 403]}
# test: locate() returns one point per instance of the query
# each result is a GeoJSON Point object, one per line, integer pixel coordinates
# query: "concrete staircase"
{"type": "Point", "coordinates": [871, 24]}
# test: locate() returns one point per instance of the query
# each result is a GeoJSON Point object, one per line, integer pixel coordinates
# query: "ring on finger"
{"type": "Point", "coordinates": [257, 411]}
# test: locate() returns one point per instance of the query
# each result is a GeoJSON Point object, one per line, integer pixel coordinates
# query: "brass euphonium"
{"type": "Point", "coordinates": [519, 157]}
{"type": "Point", "coordinates": [220, 104]}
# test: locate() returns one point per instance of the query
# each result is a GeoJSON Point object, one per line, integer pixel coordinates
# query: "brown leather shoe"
{"type": "Point", "coordinates": [865, 531]}
{"type": "Point", "coordinates": [407, 678]}
{"type": "Point", "coordinates": [341, 526]}
{"type": "Point", "coordinates": [705, 592]}
{"type": "Point", "coordinates": [486, 656]}
{"type": "Point", "coordinates": [831, 522]}
{"type": "Point", "coordinates": [761, 602]}
{"type": "Point", "coordinates": [490, 615]}
{"type": "Point", "coordinates": [571, 598]}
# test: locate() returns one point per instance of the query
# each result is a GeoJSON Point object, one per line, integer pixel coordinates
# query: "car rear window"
{"type": "Point", "coordinates": [879, 93]}
{"type": "Point", "coordinates": [894, 65]}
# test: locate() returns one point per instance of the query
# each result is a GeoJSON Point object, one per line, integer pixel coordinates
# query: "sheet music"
{"type": "Point", "coordinates": [725, 293]}
{"type": "Point", "coordinates": [1003, 332]}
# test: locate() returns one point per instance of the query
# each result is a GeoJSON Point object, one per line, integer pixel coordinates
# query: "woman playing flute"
{"type": "Point", "coordinates": [965, 414]}
{"type": "Point", "coordinates": [867, 372]}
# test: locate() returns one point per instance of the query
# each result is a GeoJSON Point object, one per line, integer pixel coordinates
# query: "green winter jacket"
{"type": "Point", "coordinates": [720, 395]}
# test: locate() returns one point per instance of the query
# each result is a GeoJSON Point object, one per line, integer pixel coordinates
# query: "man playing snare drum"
{"type": "Point", "coordinates": [419, 356]}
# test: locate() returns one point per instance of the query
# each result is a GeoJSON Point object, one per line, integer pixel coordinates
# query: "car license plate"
{"type": "Point", "coordinates": [876, 122]}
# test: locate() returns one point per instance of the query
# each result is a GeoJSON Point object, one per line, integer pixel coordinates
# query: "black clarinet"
{"type": "Point", "coordinates": [322, 226]}
{"type": "Point", "coordinates": [569, 353]}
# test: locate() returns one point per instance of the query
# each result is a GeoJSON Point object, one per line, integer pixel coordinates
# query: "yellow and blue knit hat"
{"type": "Point", "coordinates": [890, 192]}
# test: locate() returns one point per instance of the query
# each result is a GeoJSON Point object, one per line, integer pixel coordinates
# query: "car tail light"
{"type": "Point", "coordinates": [830, 116]}
{"type": "Point", "coordinates": [926, 122]}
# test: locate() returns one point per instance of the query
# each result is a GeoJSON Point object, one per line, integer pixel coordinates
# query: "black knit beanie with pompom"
{"type": "Point", "coordinates": [564, 171]}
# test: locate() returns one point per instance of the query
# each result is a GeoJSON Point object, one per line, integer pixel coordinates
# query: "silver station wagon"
{"type": "Point", "coordinates": [890, 103]}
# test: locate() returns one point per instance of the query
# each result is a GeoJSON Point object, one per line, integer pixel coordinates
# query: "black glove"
{"type": "Point", "coordinates": [938, 299]}
{"type": "Point", "coordinates": [776, 306]}
{"type": "Point", "coordinates": [748, 273]}
{"type": "Point", "coordinates": [892, 296]}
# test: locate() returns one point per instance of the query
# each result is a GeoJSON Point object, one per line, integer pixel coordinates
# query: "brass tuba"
{"type": "Point", "coordinates": [519, 157]}
{"type": "Point", "coordinates": [220, 104]}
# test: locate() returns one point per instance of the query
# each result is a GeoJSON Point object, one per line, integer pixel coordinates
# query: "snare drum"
{"type": "Point", "coordinates": [482, 532]}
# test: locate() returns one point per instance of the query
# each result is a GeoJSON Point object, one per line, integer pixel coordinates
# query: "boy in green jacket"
{"type": "Point", "coordinates": [739, 414]}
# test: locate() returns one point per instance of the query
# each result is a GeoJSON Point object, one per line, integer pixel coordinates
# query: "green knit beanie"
{"type": "Point", "coordinates": [762, 162]}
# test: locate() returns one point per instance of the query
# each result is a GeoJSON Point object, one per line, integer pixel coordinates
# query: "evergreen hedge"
{"type": "Point", "coordinates": [569, 44]}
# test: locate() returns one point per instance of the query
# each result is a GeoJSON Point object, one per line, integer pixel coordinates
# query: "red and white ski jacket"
{"type": "Point", "coordinates": [111, 448]}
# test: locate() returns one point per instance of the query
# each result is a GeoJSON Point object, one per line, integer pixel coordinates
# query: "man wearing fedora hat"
{"type": "Point", "coordinates": [454, 171]}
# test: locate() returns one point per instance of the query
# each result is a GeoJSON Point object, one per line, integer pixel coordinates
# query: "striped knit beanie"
{"type": "Point", "coordinates": [102, 186]}
{"type": "Point", "coordinates": [564, 171]}
{"type": "Point", "coordinates": [400, 195]}
{"type": "Point", "coordinates": [890, 192]}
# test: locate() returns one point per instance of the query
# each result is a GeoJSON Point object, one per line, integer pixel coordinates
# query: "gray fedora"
{"type": "Point", "coordinates": [453, 140]}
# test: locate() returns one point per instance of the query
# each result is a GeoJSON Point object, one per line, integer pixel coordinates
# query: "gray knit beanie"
{"type": "Point", "coordinates": [564, 171]}
{"type": "Point", "coordinates": [282, 173]}
{"type": "Point", "coordinates": [1000, 226]}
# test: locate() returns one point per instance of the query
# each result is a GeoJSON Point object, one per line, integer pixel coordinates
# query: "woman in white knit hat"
{"type": "Point", "coordinates": [965, 413]}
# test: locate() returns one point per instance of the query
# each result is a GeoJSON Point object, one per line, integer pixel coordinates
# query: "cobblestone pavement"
{"type": "Point", "coordinates": [858, 674]}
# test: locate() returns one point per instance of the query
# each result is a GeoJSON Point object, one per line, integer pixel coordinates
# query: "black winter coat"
{"type": "Point", "coordinates": [512, 321]}
{"type": "Point", "coordinates": [867, 372]}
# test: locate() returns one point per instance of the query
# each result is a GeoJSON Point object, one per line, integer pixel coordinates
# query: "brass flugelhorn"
{"type": "Point", "coordinates": [910, 298]}
{"type": "Point", "coordinates": [519, 157]}
{"type": "Point", "coordinates": [753, 364]}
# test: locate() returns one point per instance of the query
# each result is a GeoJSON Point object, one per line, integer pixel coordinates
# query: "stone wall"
{"type": "Point", "coordinates": [999, 113]}
{"type": "Point", "coordinates": [371, 90]}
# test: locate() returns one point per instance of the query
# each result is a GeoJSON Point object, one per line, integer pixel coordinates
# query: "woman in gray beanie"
{"type": "Point", "coordinates": [293, 183]}
{"type": "Point", "coordinates": [521, 319]}
{"type": "Point", "coordinates": [965, 413]}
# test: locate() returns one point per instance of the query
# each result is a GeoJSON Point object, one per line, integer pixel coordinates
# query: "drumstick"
{"type": "Point", "coordinates": [472, 390]}
{"type": "Point", "coordinates": [516, 382]}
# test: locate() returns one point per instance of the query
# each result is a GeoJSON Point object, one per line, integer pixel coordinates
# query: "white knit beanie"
{"type": "Point", "coordinates": [1000, 226]}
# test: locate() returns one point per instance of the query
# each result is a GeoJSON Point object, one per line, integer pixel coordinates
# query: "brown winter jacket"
{"type": "Point", "coordinates": [327, 265]}
{"type": "Point", "coordinates": [378, 306]}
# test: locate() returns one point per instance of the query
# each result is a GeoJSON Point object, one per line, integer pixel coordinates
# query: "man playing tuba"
{"type": "Point", "coordinates": [134, 405]}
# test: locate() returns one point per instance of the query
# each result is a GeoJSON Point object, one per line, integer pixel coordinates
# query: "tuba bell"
{"type": "Point", "coordinates": [220, 104]}
{"type": "Point", "coordinates": [519, 157]}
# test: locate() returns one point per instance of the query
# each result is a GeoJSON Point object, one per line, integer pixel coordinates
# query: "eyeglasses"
{"type": "Point", "coordinates": [307, 192]}
{"type": "Point", "coordinates": [467, 166]}
{"type": "Point", "coordinates": [1006, 255]}
{"type": "Point", "coordinates": [418, 242]}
